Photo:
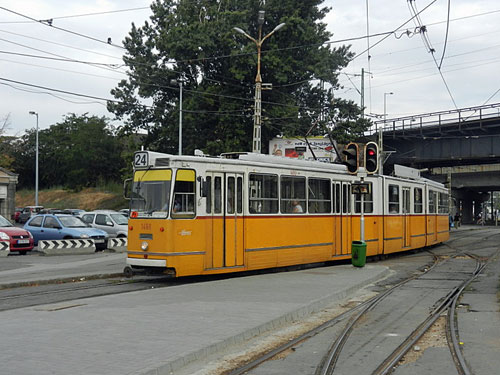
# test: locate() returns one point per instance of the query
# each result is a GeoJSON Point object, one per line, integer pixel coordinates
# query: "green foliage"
{"type": "Point", "coordinates": [195, 41]}
{"type": "Point", "coordinates": [75, 153]}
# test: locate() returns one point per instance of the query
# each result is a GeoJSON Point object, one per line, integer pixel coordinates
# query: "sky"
{"type": "Point", "coordinates": [400, 64]}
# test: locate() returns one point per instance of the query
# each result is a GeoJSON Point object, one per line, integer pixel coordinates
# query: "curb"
{"type": "Point", "coordinates": [169, 367]}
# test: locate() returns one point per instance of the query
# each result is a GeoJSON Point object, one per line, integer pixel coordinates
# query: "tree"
{"type": "Point", "coordinates": [77, 152]}
{"type": "Point", "coordinates": [195, 41]}
{"type": "Point", "coordinates": [6, 159]}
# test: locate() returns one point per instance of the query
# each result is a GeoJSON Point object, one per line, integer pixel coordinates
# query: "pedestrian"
{"type": "Point", "coordinates": [456, 219]}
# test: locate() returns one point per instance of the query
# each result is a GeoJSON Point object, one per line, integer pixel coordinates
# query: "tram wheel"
{"type": "Point", "coordinates": [128, 272]}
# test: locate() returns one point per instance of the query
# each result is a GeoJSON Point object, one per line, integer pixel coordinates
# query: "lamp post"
{"type": "Point", "coordinates": [180, 82]}
{"type": "Point", "coordinates": [256, 142]}
{"type": "Point", "coordinates": [381, 135]}
{"type": "Point", "coordinates": [36, 157]}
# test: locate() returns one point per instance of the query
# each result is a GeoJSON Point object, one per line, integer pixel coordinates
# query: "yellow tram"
{"type": "Point", "coordinates": [193, 215]}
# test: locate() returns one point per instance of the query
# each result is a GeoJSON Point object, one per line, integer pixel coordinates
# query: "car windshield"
{"type": "Point", "coordinates": [119, 219]}
{"type": "Point", "coordinates": [151, 193]}
{"type": "Point", "coordinates": [4, 222]}
{"type": "Point", "coordinates": [72, 222]}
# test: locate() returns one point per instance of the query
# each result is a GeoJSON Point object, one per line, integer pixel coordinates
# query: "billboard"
{"type": "Point", "coordinates": [297, 148]}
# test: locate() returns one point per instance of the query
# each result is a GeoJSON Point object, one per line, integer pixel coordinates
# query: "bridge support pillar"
{"type": "Point", "coordinates": [467, 214]}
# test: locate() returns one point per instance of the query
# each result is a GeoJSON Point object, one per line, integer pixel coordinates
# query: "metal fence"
{"type": "Point", "coordinates": [437, 119]}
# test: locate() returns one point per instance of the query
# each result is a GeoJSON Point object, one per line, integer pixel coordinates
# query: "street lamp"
{"type": "Point", "coordinates": [180, 82]}
{"type": "Point", "coordinates": [256, 143]}
{"type": "Point", "coordinates": [36, 158]}
{"type": "Point", "coordinates": [381, 135]}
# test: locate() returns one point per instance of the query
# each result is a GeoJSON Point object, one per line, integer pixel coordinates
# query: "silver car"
{"type": "Point", "coordinates": [112, 222]}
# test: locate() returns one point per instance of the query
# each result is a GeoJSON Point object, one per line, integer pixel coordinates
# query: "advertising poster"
{"type": "Point", "coordinates": [297, 148]}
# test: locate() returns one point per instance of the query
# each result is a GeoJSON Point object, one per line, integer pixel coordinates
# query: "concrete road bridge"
{"type": "Point", "coordinates": [461, 147]}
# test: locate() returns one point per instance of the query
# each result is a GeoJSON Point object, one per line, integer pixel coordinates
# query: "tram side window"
{"type": "Point", "coordinates": [208, 184]}
{"type": "Point", "coordinates": [432, 202]}
{"type": "Point", "coordinates": [263, 193]}
{"type": "Point", "coordinates": [234, 196]}
{"type": "Point", "coordinates": [337, 199]}
{"type": "Point", "coordinates": [367, 203]}
{"type": "Point", "coordinates": [239, 198]}
{"type": "Point", "coordinates": [393, 199]}
{"type": "Point", "coordinates": [217, 195]}
{"type": "Point", "coordinates": [293, 194]}
{"type": "Point", "coordinates": [346, 198]}
{"type": "Point", "coordinates": [319, 196]}
{"type": "Point", "coordinates": [418, 201]}
{"type": "Point", "coordinates": [230, 195]}
{"type": "Point", "coordinates": [184, 194]}
{"type": "Point", "coordinates": [443, 203]}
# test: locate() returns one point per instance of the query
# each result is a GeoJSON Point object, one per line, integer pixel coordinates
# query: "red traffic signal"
{"type": "Point", "coordinates": [351, 157]}
{"type": "Point", "coordinates": [371, 157]}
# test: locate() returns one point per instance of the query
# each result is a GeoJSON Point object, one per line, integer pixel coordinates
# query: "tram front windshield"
{"type": "Point", "coordinates": [150, 197]}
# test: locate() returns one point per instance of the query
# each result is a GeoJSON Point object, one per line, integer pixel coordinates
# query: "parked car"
{"type": "Point", "coordinates": [28, 212]}
{"type": "Point", "coordinates": [112, 222]}
{"type": "Point", "coordinates": [15, 215]}
{"type": "Point", "coordinates": [20, 239]}
{"type": "Point", "coordinates": [75, 211]}
{"type": "Point", "coordinates": [63, 227]}
{"type": "Point", "coordinates": [125, 212]}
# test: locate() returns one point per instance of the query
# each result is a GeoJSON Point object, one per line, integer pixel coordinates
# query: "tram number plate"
{"type": "Point", "coordinates": [141, 159]}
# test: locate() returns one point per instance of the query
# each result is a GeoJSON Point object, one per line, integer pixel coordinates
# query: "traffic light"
{"type": "Point", "coordinates": [351, 157]}
{"type": "Point", "coordinates": [371, 157]}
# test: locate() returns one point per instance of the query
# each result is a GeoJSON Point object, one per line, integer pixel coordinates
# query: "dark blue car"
{"type": "Point", "coordinates": [62, 227]}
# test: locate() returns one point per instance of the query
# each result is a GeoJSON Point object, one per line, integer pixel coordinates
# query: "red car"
{"type": "Point", "coordinates": [20, 239]}
{"type": "Point", "coordinates": [16, 214]}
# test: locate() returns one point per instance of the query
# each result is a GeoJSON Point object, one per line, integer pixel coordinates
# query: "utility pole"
{"type": "Point", "coordinates": [362, 92]}
{"type": "Point", "coordinates": [381, 135]}
{"type": "Point", "coordinates": [36, 157]}
{"type": "Point", "coordinates": [180, 82]}
{"type": "Point", "coordinates": [256, 142]}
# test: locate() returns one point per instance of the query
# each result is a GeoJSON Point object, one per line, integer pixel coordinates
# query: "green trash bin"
{"type": "Point", "coordinates": [358, 253]}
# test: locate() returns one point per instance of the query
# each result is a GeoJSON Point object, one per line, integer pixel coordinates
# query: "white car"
{"type": "Point", "coordinates": [112, 222]}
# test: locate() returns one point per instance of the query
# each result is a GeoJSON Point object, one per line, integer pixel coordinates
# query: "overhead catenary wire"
{"type": "Point", "coordinates": [446, 35]}
{"type": "Point", "coordinates": [62, 45]}
{"type": "Point", "coordinates": [427, 42]}
{"type": "Point", "coordinates": [63, 29]}
{"type": "Point", "coordinates": [83, 15]}
{"type": "Point", "coordinates": [288, 84]}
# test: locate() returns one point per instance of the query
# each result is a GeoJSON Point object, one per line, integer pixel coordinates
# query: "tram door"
{"type": "Point", "coordinates": [406, 217]}
{"type": "Point", "coordinates": [337, 214]}
{"type": "Point", "coordinates": [227, 219]}
{"type": "Point", "coordinates": [432, 228]}
{"type": "Point", "coordinates": [346, 218]}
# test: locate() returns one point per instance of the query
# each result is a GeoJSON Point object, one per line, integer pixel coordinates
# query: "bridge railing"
{"type": "Point", "coordinates": [437, 119]}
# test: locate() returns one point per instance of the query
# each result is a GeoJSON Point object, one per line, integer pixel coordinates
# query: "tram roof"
{"type": "Point", "coordinates": [157, 159]}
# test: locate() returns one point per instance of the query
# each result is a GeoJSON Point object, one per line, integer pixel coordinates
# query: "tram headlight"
{"type": "Point", "coordinates": [144, 246]}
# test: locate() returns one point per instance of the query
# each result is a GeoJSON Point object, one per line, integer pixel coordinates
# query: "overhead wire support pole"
{"type": "Point", "coordinates": [179, 81]}
{"type": "Point", "coordinates": [36, 157]}
{"type": "Point", "coordinates": [256, 141]}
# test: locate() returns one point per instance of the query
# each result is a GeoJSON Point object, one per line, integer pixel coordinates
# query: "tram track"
{"type": "Point", "coordinates": [362, 307]}
{"type": "Point", "coordinates": [387, 366]}
{"type": "Point", "coordinates": [19, 297]}
{"type": "Point", "coordinates": [447, 304]}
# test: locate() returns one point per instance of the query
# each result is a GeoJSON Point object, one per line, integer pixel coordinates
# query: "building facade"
{"type": "Point", "coordinates": [8, 182]}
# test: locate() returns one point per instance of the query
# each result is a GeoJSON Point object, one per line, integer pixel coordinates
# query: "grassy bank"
{"type": "Point", "coordinates": [106, 197]}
